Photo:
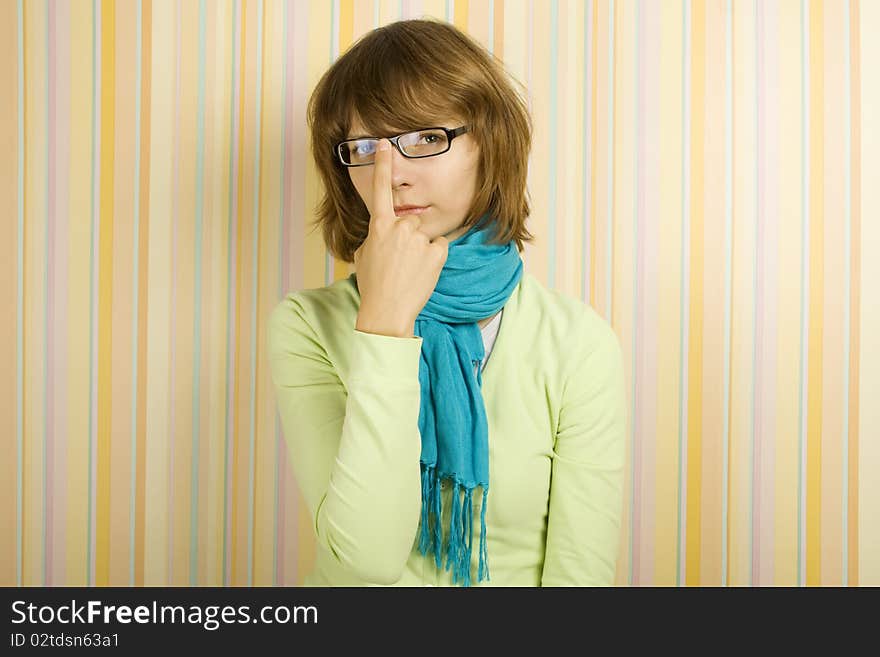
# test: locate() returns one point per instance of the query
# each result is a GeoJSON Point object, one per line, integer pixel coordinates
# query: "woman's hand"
{"type": "Point", "coordinates": [397, 265]}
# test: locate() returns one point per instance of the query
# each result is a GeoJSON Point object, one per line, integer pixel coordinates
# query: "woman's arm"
{"type": "Point", "coordinates": [355, 453]}
{"type": "Point", "coordinates": [586, 490]}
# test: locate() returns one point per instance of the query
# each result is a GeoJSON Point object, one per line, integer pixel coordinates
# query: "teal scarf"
{"type": "Point", "coordinates": [475, 283]}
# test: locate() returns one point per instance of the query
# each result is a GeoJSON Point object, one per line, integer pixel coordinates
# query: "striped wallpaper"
{"type": "Point", "coordinates": [701, 175]}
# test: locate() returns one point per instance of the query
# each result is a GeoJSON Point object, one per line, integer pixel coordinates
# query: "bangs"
{"type": "Point", "coordinates": [408, 91]}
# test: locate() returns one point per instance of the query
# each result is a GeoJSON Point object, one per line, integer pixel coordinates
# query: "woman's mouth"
{"type": "Point", "coordinates": [409, 209]}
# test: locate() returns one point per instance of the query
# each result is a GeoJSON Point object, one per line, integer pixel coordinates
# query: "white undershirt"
{"type": "Point", "coordinates": [490, 334]}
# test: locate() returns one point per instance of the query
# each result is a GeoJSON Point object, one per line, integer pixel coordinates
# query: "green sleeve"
{"type": "Point", "coordinates": [354, 449]}
{"type": "Point", "coordinates": [587, 475]}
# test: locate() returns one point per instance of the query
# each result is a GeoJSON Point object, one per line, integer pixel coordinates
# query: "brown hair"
{"type": "Point", "coordinates": [414, 73]}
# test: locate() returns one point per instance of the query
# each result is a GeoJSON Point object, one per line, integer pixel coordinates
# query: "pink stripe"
{"type": "Point", "coordinates": [50, 315]}
{"type": "Point", "coordinates": [412, 9]}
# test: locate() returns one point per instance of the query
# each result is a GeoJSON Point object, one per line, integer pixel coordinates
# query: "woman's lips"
{"type": "Point", "coordinates": [410, 211]}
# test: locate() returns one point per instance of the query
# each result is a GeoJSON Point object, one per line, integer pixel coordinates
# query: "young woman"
{"type": "Point", "coordinates": [398, 424]}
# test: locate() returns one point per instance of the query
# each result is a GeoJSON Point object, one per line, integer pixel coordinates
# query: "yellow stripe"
{"type": "Point", "coordinates": [342, 269]}
{"type": "Point", "coordinates": [461, 15]}
{"type": "Point", "coordinates": [817, 201]}
{"type": "Point", "coordinates": [695, 328]}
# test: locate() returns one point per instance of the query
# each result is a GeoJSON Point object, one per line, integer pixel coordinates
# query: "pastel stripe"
{"type": "Point", "coordinates": [817, 298]}
{"type": "Point", "coordinates": [786, 346]}
{"type": "Point", "coordinates": [53, 230]}
{"type": "Point", "coordinates": [684, 355]}
{"type": "Point", "coordinates": [142, 207]}
{"type": "Point", "coordinates": [728, 275]}
{"type": "Point", "coordinates": [851, 524]}
{"type": "Point", "coordinates": [869, 381]}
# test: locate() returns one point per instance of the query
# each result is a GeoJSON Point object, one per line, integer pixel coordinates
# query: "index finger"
{"type": "Point", "coordinates": [382, 199]}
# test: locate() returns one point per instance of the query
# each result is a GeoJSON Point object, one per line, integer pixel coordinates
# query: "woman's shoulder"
{"type": "Point", "coordinates": [561, 317]}
{"type": "Point", "coordinates": [320, 312]}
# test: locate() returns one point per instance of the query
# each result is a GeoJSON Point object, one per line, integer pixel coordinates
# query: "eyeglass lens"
{"type": "Point", "coordinates": [421, 143]}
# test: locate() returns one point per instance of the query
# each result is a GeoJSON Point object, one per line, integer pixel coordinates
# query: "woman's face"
{"type": "Point", "coordinates": [445, 183]}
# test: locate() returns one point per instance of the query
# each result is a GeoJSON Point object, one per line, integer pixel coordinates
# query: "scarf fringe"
{"type": "Point", "coordinates": [461, 525]}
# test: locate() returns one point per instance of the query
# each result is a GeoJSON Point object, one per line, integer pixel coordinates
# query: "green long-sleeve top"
{"type": "Point", "coordinates": [555, 402]}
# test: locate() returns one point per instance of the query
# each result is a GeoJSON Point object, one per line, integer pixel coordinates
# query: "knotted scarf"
{"type": "Point", "coordinates": [475, 283]}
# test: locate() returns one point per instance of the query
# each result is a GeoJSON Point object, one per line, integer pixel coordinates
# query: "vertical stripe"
{"type": "Point", "coordinates": [172, 505]}
{"type": "Point", "coordinates": [847, 288]}
{"type": "Point", "coordinates": [784, 220]}
{"type": "Point", "coordinates": [11, 175]}
{"type": "Point", "coordinates": [49, 342]}
{"type": "Point", "coordinates": [817, 300]}
{"type": "Point", "coordinates": [805, 290]}
{"type": "Point", "coordinates": [254, 286]}
{"type": "Point", "coordinates": [869, 304]}
{"type": "Point", "coordinates": [552, 175]}
{"type": "Point", "coordinates": [683, 437]}
{"type": "Point", "coordinates": [19, 305]}
{"type": "Point", "coordinates": [197, 310]}
{"type": "Point", "coordinates": [712, 249]}
{"type": "Point", "coordinates": [143, 232]}
{"type": "Point", "coordinates": [833, 290]}
{"type": "Point", "coordinates": [612, 104]}
{"type": "Point", "coordinates": [589, 153]}
{"type": "Point", "coordinates": [669, 179]}
{"type": "Point", "coordinates": [854, 200]}
{"type": "Point", "coordinates": [135, 289]}
{"type": "Point", "coordinates": [283, 255]}
{"type": "Point", "coordinates": [329, 259]}
{"type": "Point", "coordinates": [97, 42]}
{"type": "Point", "coordinates": [636, 392]}
{"type": "Point", "coordinates": [728, 276]}
{"type": "Point", "coordinates": [230, 300]}
{"type": "Point", "coordinates": [695, 315]}
{"type": "Point", "coordinates": [105, 290]}
{"type": "Point", "coordinates": [757, 354]}
{"type": "Point", "coordinates": [121, 313]}
{"type": "Point", "coordinates": [61, 327]}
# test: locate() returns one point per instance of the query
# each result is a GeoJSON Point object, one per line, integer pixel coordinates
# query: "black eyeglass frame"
{"type": "Point", "coordinates": [451, 133]}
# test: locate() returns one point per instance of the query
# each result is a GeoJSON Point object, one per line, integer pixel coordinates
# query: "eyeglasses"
{"type": "Point", "coordinates": [426, 142]}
